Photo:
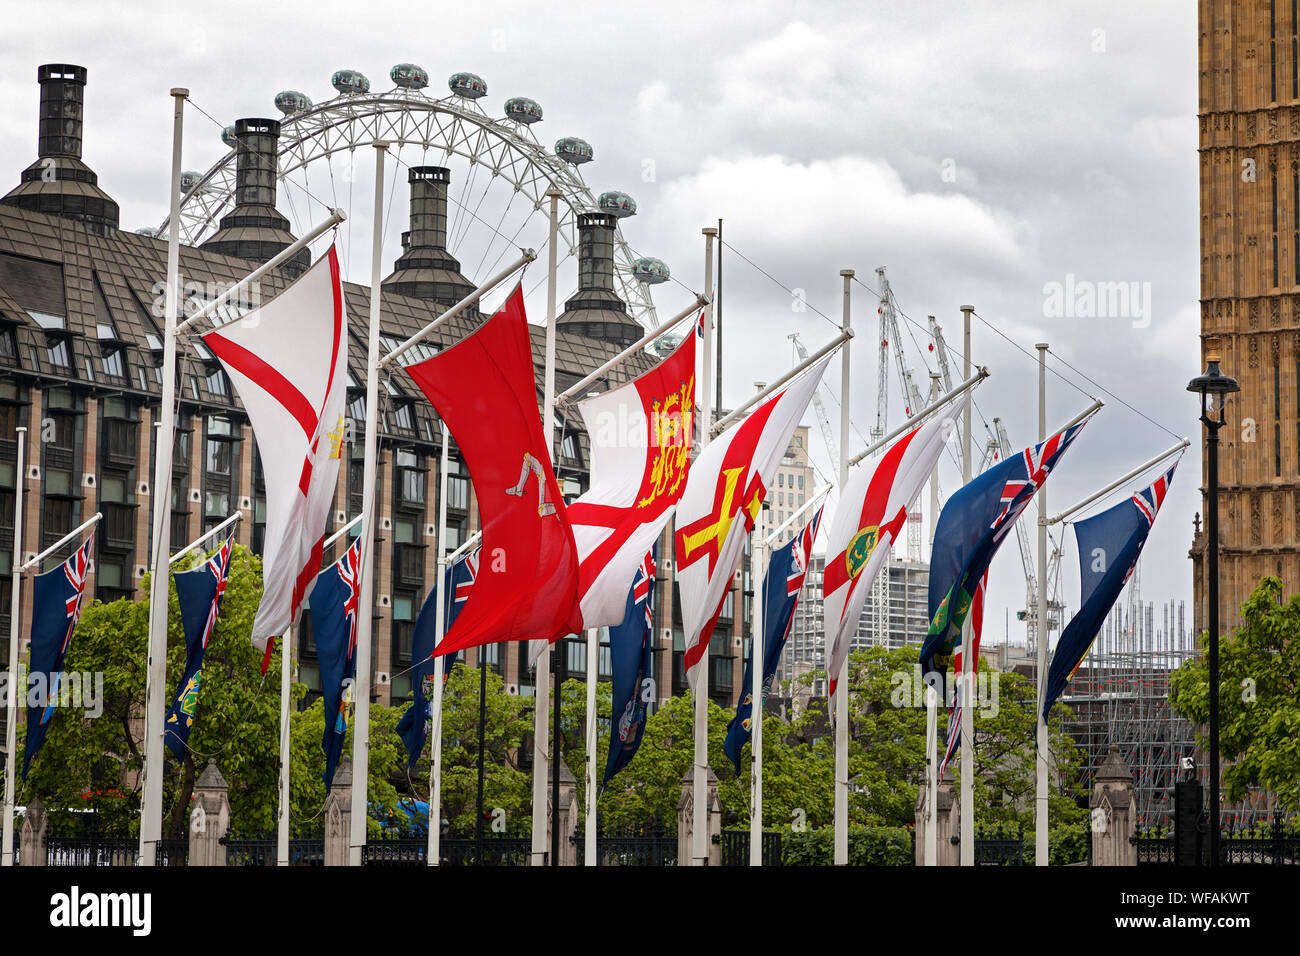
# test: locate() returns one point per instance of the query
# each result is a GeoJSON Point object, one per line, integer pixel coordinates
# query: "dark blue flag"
{"type": "Point", "coordinates": [781, 587]}
{"type": "Point", "coordinates": [631, 647]}
{"type": "Point", "coordinates": [334, 626]}
{"type": "Point", "coordinates": [56, 605]}
{"type": "Point", "coordinates": [1109, 546]}
{"type": "Point", "coordinates": [972, 526]}
{"type": "Point", "coordinates": [458, 579]}
{"type": "Point", "coordinates": [199, 592]}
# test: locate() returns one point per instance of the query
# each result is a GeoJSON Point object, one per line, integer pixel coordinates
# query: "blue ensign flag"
{"type": "Point", "coordinates": [1109, 546]}
{"type": "Point", "coordinates": [971, 528]}
{"type": "Point", "coordinates": [56, 605]}
{"type": "Point", "coordinates": [334, 627]}
{"type": "Point", "coordinates": [458, 579]}
{"type": "Point", "coordinates": [781, 588]}
{"type": "Point", "coordinates": [630, 649]}
{"type": "Point", "coordinates": [199, 592]}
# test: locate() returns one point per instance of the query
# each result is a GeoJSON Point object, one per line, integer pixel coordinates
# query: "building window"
{"type": "Point", "coordinates": [410, 479]}
{"type": "Point", "coordinates": [216, 382]}
{"type": "Point", "coordinates": [57, 351]}
{"type": "Point", "coordinates": [218, 460]}
{"type": "Point", "coordinates": [1275, 282]}
{"type": "Point", "coordinates": [403, 416]}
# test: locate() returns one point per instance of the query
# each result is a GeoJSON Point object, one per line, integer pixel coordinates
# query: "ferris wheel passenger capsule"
{"type": "Point", "coordinates": [573, 150]}
{"type": "Point", "coordinates": [618, 204]}
{"type": "Point", "coordinates": [289, 102]}
{"type": "Point", "coordinates": [651, 271]}
{"type": "Point", "coordinates": [350, 81]}
{"type": "Point", "coordinates": [409, 76]}
{"type": "Point", "coordinates": [523, 110]}
{"type": "Point", "coordinates": [228, 136]}
{"type": "Point", "coordinates": [467, 85]}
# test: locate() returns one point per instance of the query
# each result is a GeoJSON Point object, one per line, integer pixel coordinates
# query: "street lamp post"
{"type": "Point", "coordinates": [1213, 383]}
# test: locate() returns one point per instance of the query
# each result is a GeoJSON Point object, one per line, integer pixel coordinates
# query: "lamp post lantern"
{"type": "Point", "coordinates": [1213, 386]}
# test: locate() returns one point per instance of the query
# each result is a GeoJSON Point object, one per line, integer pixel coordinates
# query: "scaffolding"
{"type": "Point", "coordinates": [1120, 695]}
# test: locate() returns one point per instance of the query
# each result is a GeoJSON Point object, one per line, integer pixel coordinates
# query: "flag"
{"type": "Point", "coordinates": [640, 435]}
{"type": "Point", "coordinates": [781, 587]}
{"type": "Point", "coordinates": [971, 528]}
{"type": "Point", "coordinates": [56, 606]}
{"type": "Point", "coordinates": [726, 487]}
{"type": "Point", "coordinates": [458, 582]}
{"type": "Point", "coordinates": [334, 627]}
{"type": "Point", "coordinates": [288, 362]}
{"type": "Point", "coordinates": [975, 624]}
{"type": "Point", "coordinates": [485, 390]}
{"type": "Point", "coordinates": [631, 645]}
{"type": "Point", "coordinates": [199, 592]}
{"type": "Point", "coordinates": [1109, 546]}
{"type": "Point", "coordinates": [868, 520]}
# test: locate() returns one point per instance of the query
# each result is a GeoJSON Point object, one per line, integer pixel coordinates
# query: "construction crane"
{"type": "Point", "coordinates": [828, 433]}
{"type": "Point", "coordinates": [1030, 614]}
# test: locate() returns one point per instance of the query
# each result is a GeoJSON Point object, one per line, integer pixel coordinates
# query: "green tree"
{"type": "Point", "coordinates": [1259, 696]}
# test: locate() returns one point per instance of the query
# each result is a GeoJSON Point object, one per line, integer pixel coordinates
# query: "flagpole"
{"type": "Point", "coordinates": [335, 217]}
{"type": "Point", "coordinates": [756, 662]}
{"type": "Point", "coordinates": [435, 717]}
{"type": "Point", "coordinates": [804, 364]}
{"type": "Point", "coordinates": [282, 823]}
{"type": "Point", "coordinates": [11, 698]}
{"type": "Point", "coordinates": [967, 810]}
{"type": "Point", "coordinates": [156, 673]}
{"type": "Point", "coordinates": [701, 300]}
{"type": "Point", "coordinates": [214, 530]}
{"type": "Point", "coordinates": [700, 771]}
{"type": "Point", "coordinates": [931, 698]}
{"type": "Point", "coordinates": [365, 574]}
{"type": "Point", "coordinates": [981, 373]}
{"type": "Point", "coordinates": [841, 702]}
{"type": "Point", "coordinates": [542, 666]}
{"type": "Point", "coordinates": [589, 819]}
{"type": "Point", "coordinates": [1044, 635]}
{"type": "Point", "coordinates": [1145, 466]}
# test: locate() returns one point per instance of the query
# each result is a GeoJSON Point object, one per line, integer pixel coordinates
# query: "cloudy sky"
{"type": "Point", "coordinates": [1004, 154]}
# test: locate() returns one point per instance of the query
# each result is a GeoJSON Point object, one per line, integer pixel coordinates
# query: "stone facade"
{"type": "Point", "coordinates": [1250, 287]}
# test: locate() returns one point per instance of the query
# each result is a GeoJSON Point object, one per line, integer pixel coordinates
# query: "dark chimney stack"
{"type": "Point", "coordinates": [254, 229]}
{"type": "Point", "coordinates": [426, 270]}
{"type": "Point", "coordinates": [595, 311]}
{"type": "Point", "coordinates": [59, 183]}
{"type": "Point", "coordinates": [62, 92]}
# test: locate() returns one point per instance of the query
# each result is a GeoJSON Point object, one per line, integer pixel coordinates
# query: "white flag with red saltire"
{"type": "Point", "coordinates": [288, 362]}
{"type": "Point", "coordinates": [726, 487]}
{"type": "Point", "coordinates": [868, 520]}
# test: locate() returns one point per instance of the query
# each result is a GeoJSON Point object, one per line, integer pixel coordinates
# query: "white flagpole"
{"type": "Point", "coordinates": [967, 838]}
{"type": "Point", "coordinates": [1044, 635]}
{"type": "Point", "coordinates": [699, 778]}
{"type": "Point", "coordinates": [841, 702]}
{"type": "Point", "coordinates": [11, 699]}
{"type": "Point", "coordinates": [931, 698]}
{"type": "Point", "coordinates": [757, 569]}
{"type": "Point", "coordinates": [211, 532]}
{"type": "Point", "coordinates": [589, 817]}
{"type": "Point", "coordinates": [156, 675]}
{"type": "Point", "coordinates": [365, 574]}
{"type": "Point", "coordinates": [542, 667]}
{"type": "Point", "coordinates": [282, 823]}
{"type": "Point", "coordinates": [435, 717]}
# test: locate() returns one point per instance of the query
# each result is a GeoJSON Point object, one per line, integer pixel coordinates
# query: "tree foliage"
{"type": "Point", "coordinates": [1259, 696]}
{"type": "Point", "coordinates": [95, 764]}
